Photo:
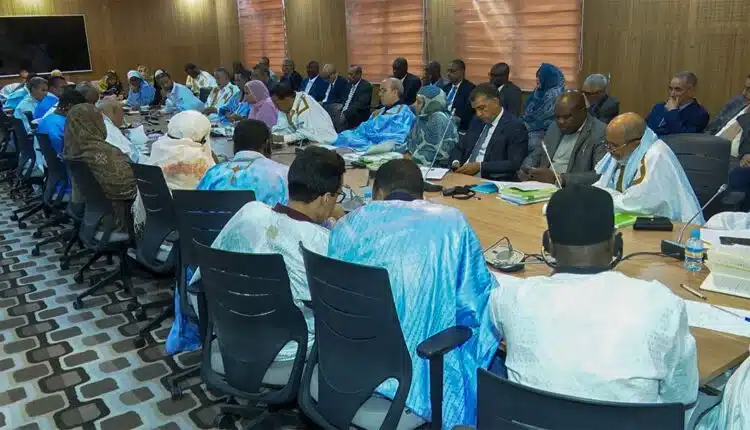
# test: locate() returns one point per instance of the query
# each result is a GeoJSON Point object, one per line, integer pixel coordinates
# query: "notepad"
{"type": "Point", "coordinates": [526, 197]}
{"type": "Point", "coordinates": [705, 316]}
{"type": "Point", "coordinates": [436, 173]}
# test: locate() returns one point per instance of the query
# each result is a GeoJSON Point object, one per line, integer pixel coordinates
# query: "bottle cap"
{"type": "Point", "coordinates": [695, 234]}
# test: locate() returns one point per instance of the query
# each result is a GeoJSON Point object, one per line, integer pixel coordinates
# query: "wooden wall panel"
{"type": "Point", "coordinates": [160, 34]}
{"type": "Point", "coordinates": [316, 30]}
{"type": "Point", "coordinates": [440, 25]}
{"type": "Point", "coordinates": [642, 43]}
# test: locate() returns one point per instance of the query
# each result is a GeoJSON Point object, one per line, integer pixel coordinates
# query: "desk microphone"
{"type": "Point", "coordinates": [675, 248]}
{"type": "Point", "coordinates": [552, 165]}
{"type": "Point", "coordinates": [434, 187]}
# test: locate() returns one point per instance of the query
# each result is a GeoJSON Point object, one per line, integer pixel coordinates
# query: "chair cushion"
{"type": "Point", "coordinates": [115, 237]}
{"type": "Point", "coordinates": [373, 411]}
{"type": "Point", "coordinates": [277, 374]}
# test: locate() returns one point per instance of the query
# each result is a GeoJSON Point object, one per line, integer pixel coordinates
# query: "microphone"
{"type": "Point", "coordinates": [675, 249]}
{"type": "Point", "coordinates": [552, 165]}
{"type": "Point", "coordinates": [434, 187]}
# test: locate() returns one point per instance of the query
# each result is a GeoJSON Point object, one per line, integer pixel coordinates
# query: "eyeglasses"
{"type": "Point", "coordinates": [611, 147]}
{"type": "Point", "coordinates": [341, 197]}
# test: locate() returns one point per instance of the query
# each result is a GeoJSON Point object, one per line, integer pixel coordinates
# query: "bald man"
{"type": "Point", "coordinates": [336, 90]}
{"type": "Point", "coordinates": [575, 143]}
{"type": "Point", "coordinates": [114, 117]}
{"type": "Point", "coordinates": [643, 175]}
{"type": "Point", "coordinates": [388, 125]}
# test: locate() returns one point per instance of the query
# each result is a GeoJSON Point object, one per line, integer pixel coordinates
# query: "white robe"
{"type": "Point", "coordinates": [307, 120]}
{"type": "Point", "coordinates": [733, 132]}
{"type": "Point", "coordinates": [734, 411]}
{"type": "Point", "coordinates": [119, 141]}
{"type": "Point", "coordinates": [597, 336]}
{"type": "Point", "coordinates": [660, 187]}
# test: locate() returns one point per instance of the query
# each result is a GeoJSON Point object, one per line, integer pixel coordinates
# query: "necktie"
{"type": "Point", "coordinates": [479, 144]}
{"type": "Point", "coordinates": [349, 99]}
{"type": "Point", "coordinates": [328, 92]}
{"type": "Point", "coordinates": [451, 95]}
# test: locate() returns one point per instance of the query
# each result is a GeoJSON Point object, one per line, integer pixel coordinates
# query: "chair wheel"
{"type": "Point", "coordinates": [223, 421]}
{"type": "Point", "coordinates": [139, 342]}
{"type": "Point", "coordinates": [77, 304]}
{"type": "Point", "coordinates": [13, 217]}
{"type": "Point", "coordinates": [140, 315]}
{"type": "Point", "coordinates": [22, 225]}
{"type": "Point", "coordinates": [37, 235]}
{"type": "Point", "coordinates": [64, 265]}
{"type": "Point", "coordinates": [35, 252]}
{"type": "Point", "coordinates": [175, 391]}
{"type": "Point", "coordinates": [78, 278]}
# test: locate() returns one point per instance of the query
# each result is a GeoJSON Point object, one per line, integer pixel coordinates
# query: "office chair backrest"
{"type": "Point", "coordinates": [25, 148]}
{"type": "Point", "coordinates": [358, 341]}
{"type": "Point", "coordinates": [98, 214]}
{"type": "Point", "coordinates": [202, 214]}
{"type": "Point", "coordinates": [250, 308]}
{"type": "Point", "coordinates": [57, 173]}
{"type": "Point", "coordinates": [506, 405]}
{"type": "Point", "coordinates": [203, 94]}
{"type": "Point", "coordinates": [705, 160]}
{"type": "Point", "coordinates": [160, 216]}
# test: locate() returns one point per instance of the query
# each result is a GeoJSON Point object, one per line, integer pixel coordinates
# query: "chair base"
{"type": "Point", "coordinates": [121, 274]}
{"type": "Point", "coordinates": [140, 315]}
{"type": "Point", "coordinates": [173, 383]}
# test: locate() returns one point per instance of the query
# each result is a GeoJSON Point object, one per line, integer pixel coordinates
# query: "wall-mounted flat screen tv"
{"type": "Point", "coordinates": [43, 43]}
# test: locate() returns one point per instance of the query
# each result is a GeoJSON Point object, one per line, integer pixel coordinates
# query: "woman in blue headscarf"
{"type": "Point", "coordinates": [434, 129]}
{"type": "Point", "coordinates": [540, 109]}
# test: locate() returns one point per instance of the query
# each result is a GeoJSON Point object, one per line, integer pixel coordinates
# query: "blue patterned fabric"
{"type": "Point", "coordinates": [16, 97]}
{"type": "Point", "coordinates": [28, 104]}
{"type": "Point", "coordinates": [48, 102]}
{"type": "Point", "coordinates": [540, 107]}
{"type": "Point", "coordinates": [182, 99]}
{"type": "Point", "coordinates": [250, 170]}
{"type": "Point", "coordinates": [145, 94]}
{"type": "Point", "coordinates": [439, 279]}
{"type": "Point", "coordinates": [243, 109]}
{"type": "Point", "coordinates": [386, 124]}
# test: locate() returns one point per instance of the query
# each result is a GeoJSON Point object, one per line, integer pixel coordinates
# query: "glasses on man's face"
{"type": "Point", "coordinates": [612, 148]}
{"type": "Point", "coordinates": [341, 197]}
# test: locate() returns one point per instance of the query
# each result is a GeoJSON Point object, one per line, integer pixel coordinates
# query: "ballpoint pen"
{"type": "Point", "coordinates": [693, 292]}
{"type": "Point", "coordinates": [747, 319]}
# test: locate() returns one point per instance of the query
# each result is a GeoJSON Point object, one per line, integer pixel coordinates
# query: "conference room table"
{"type": "Point", "coordinates": [493, 219]}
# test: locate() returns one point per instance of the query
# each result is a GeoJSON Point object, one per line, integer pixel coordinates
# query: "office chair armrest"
{"type": "Point", "coordinates": [441, 343]}
{"type": "Point", "coordinates": [733, 198]}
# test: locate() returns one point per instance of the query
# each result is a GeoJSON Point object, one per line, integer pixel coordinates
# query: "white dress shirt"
{"type": "Point", "coordinates": [564, 151]}
{"type": "Point", "coordinates": [351, 96]}
{"type": "Point", "coordinates": [310, 83]}
{"type": "Point", "coordinates": [483, 149]}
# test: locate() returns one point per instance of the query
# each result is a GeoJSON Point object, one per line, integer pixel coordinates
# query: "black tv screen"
{"type": "Point", "coordinates": [41, 44]}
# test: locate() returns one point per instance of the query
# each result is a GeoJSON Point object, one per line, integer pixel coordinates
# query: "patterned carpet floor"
{"type": "Point", "coordinates": [62, 368]}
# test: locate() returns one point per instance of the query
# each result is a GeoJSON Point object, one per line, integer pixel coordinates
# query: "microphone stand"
{"type": "Point", "coordinates": [435, 187]}
{"type": "Point", "coordinates": [676, 249]}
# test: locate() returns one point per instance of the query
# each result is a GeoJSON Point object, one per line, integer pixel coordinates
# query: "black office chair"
{"type": "Point", "coordinates": [7, 157]}
{"type": "Point", "coordinates": [705, 159]}
{"type": "Point", "coordinates": [506, 405]}
{"type": "Point", "coordinates": [25, 174]}
{"type": "Point", "coordinates": [358, 345]}
{"type": "Point", "coordinates": [200, 217]}
{"type": "Point", "coordinates": [157, 248]}
{"type": "Point", "coordinates": [53, 194]}
{"type": "Point", "coordinates": [252, 313]}
{"type": "Point", "coordinates": [203, 94]}
{"type": "Point", "coordinates": [98, 232]}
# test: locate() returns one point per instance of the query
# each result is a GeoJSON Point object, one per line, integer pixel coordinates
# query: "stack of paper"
{"type": "Point", "coordinates": [703, 315]}
{"type": "Point", "coordinates": [625, 219]}
{"type": "Point", "coordinates": [526, 193]}
{"type": "Point", "coordinates": [435, 173]}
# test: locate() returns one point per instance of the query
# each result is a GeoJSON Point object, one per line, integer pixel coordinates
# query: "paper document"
{"type": "Point", "coordinates": [711, 237]}
{"type": "Point", "coordinates": [705, 316]}
{"type": "Point", "coordinates": [382, 147]}
{"type": "Point", "coordinates": [531, 185]}
{"type": "Point", "coordinates": [436, 173]}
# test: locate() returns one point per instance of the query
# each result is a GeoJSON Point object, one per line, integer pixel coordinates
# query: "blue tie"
{"type": "Point", "coordinates": [451, 95]}
{"type": "Point", "coordinates": [478, 145]}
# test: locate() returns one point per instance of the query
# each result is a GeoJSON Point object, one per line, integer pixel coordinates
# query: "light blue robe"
{"type": "Point", "coordinates": [48, 102]}
{"type": "Point", "coordinates": [53, 125]}
{"type": "Point", "coordinates": [249, 170]}
{"type": "Point", "coordinates": [144, 96]}
{"type": "Point", "coordinates": [182, 99]}
{"type": "Point", "coordinates": [16, 97]}
{"type": "Point", "coordinates": [243, 109]}
{"type": "Point", "coordinates": [439, 279]}
{"type": "Point", "coordinates": [225, 100]}
{"type": "Point", "coordinates": [28, 104]}
{"type": "Point", "coordinates": [383, 125]}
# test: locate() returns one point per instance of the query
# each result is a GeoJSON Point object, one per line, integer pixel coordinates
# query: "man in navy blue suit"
{"type": "Point", "coordinates": [336, 89]}
{"type": "Point", "coordinates": [314, 85]}
{"type": "Point", "coordinates": [496, 143]}
{"type": "Point", "coordinates": [681, 113]}
{"type": "Point", "coordinates": [411, 83]}
{"type": "Point", "coordinates": [458, 91]}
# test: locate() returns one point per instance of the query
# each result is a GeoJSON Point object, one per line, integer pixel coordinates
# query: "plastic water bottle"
{"type": "Point", "coordinates": [694, 252]}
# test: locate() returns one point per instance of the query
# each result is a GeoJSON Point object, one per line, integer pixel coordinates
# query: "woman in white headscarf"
{"type": "Point", "coordinates": [183, 154]}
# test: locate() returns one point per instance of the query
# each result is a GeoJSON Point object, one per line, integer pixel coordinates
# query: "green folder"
{"type": "Point", "coordinates": [625, 219]}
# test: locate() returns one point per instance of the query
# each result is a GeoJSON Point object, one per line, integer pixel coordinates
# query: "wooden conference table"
{"type": "Point", "coordinates": [524, 225]}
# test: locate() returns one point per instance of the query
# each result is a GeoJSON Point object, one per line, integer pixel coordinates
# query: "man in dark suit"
{"type": "Point", "coordinates": [575, 141]}
{"type": "Point", "coordinates": [433, 75]}
{"type": "Point", "coordinates": [291, 76]}
{"type": "Point", "coordinates": [336, 89]}
{"type": "Point", "coordinates": [681, 113]}
{"type": "Point", "coordinates": [739, 177]}
{"type": "Point", "coordinates": [314, 84]}
{"type": "Point", "coordinates": [458, 92]}
{"type": "Point", "coordinates": [356, 108]}
{"type": "Point", "coordinates": [601, 105]}
{"type": "Point", "coordinates": [496, 143]}
{"type": "Point", "coordinates": [411, 83]}
{"type": "Point", "coordinates": [510, 94]}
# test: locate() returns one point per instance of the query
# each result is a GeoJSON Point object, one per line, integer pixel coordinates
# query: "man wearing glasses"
{"type": "Point", "coordinates": [642, 174]}
{"type": "Point", "coordinates": [601, 105]}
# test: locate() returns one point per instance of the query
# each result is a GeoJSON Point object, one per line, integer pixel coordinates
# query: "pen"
{"type": "Point", "coordinates": [731, 313]}
{"type": "Point", "coordinates": [693, 292]}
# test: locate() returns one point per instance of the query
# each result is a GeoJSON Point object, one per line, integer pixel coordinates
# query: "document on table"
{"type": "Point", "coordinates": [436, 173]}
{"type": "Point", "coordinates": [523, 186]}
{"type": "Point", "coordinates": [703, 315]}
